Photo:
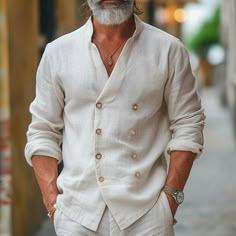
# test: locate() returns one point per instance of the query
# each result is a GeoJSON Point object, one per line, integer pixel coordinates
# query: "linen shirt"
{"type": "Point", "coordinates": [112, 132]}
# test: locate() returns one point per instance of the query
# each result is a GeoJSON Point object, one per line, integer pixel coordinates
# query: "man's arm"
{"type": "Point", "coordinates": [186, 118]}
{"type": "Point", "coordinates": [180, 166]}
{"type": "Point", "coordinates": [46, 172]}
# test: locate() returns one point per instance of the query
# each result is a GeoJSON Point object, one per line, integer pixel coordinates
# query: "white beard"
{"type": "Point", "coordinates": [111, 15]}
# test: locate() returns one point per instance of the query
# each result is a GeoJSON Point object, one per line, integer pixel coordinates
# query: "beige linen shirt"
{"type": "Point", "coordinates": [112, 133]}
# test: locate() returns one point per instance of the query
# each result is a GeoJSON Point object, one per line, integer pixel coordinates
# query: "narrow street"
{"type": "Point", "coordinates": [210, 206]}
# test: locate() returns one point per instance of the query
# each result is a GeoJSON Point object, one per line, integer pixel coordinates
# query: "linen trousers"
{"type": "Point", "coordinates": [158, 221]}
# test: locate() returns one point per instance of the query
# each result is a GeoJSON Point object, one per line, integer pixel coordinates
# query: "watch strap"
{"type": "Point", "coordinates": [178, 195]}
{"type": "Point", "coordinates": [169, 190]}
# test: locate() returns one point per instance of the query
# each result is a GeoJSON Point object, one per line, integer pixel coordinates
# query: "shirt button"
{"type": "Point", "coordinates": [101, 179]}
{"type": "Point", "coordinates": [135, 107]}
{"type": "Point", "coordinates": [98, 131]}
{"type": "Point", "coordinates": [99, 105]}
{"type": "Point", "coordinates": [98, 156]}
{"type": "Point", "coordinates": [134, 156]}
{"type": "Point", "coordinates": [137, 174]}
{"type": "Point", "coordinates": [132, 132]}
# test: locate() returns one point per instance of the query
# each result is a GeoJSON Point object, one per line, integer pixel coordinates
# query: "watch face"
{"type": "Point", "coordinates": [179, 197]}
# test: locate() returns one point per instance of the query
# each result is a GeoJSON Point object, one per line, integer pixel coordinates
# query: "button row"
{"type": "Point", "coordinates": [99, 156]}
{"type": "Point", "coordinates": [101, 178]}
{"type": "Point", "coordinates": [132, 132]}
{"type": "Point", "coordinates": [98, 132]}
{"type": "Point", "coordinates": [99, 106]}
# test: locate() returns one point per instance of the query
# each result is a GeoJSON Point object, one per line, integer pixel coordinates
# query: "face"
{"type": "Point", "coordinates": [111, 12]}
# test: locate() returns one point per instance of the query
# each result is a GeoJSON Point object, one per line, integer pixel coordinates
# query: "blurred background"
{"type": "Point", "coordinates": [207, 28]}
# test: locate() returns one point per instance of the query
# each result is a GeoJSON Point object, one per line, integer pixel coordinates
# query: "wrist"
{"type": "Point", "coordinates": [176, 195]}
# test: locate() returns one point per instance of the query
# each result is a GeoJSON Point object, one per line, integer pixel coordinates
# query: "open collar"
{"type": "Point", "coordinates": [89, 27]}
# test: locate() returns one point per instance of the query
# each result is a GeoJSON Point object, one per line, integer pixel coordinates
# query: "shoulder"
{"type": "Point", "coordinates": [66, 41]}
{"type": "Point", "coordinates": [161, 38]}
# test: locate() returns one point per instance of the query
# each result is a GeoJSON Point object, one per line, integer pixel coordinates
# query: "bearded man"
{"type": "Point", "coordinates": [116, 102]}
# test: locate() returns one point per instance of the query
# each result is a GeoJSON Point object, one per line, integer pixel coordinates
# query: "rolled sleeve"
{"type": "Point", "coordinates": [186, 114]}
{"type": "Point", "coordinates": [187, 136]}
{"type": "Point", "coordinates": [44, 135]}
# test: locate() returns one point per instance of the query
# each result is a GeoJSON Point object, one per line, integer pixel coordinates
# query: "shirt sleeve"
{"type": "Point", "coordinates": [186, 114]}
{"type": "Point", "coordinates": [44, 135]}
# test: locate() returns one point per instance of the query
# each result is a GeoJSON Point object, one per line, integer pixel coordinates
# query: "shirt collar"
{"type": "Point", "coordinates": [89, 27]}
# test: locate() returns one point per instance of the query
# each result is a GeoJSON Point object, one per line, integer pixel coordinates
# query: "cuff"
{"type": "Point", "coordinates": [46, 149]}
{"type": "Point", "coordinates": [183, 145]}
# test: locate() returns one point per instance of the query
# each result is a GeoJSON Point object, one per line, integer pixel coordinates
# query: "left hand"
{"type": "Point", "coordinates": [172, 203]}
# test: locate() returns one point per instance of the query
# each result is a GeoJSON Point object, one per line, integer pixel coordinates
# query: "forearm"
{"type": "Point", "coordinates": [46, 172]}
{"type": "Point", "coordinates": [180, 166]}
{"type": "Point", "coordinates": [179, 169]}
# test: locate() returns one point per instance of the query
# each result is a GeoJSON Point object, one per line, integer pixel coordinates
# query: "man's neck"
{"type": "Point", "coordinates": [114, 32]}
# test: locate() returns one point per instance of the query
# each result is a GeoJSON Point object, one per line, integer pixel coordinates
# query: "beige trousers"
{"type": "Point", "coordinates": [156, 222]}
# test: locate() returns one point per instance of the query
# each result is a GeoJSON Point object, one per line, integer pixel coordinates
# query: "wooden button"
{"type": "Point", "coordinates": [132, 132]}
{"type": "Point", "coordinates": [98, 131]}
{"type": "Point", "coordinates": [135, 107]}
{"type": "Point", "coordinates": [98, 156]}
{"type": "Point", "coordinates": [101, 179]}
{"type": "Point", "coordinates": [99, 105]}
{"type": "Point", "coordinates": [137, 174]}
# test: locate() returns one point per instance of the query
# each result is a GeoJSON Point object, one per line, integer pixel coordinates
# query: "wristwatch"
{"type": "Point", "coordinates": [176, 194]}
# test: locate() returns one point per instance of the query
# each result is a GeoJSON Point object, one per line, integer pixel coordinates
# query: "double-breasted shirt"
{"type": "Point", "coordinates": [114, 132]}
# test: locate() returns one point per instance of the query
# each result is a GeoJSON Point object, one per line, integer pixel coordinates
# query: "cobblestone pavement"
{"type": "Point", "coordinates": [210, 194]}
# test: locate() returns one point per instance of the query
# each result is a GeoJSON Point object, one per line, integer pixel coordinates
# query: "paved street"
{"type": "Point", "coordinates": [210, 202]}
{"type": "Point", "coordinates": [210, 195]}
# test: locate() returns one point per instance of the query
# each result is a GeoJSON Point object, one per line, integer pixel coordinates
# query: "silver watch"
{"type": "Point", "coordinates": [178, 195]}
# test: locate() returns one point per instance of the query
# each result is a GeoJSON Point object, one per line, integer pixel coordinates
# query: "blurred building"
{"type": "Point", "coordinates": [25, 28]}
{"type": "Point", "coordinates": [18, 60]}
{"type": "Point", "coordinates": [5, 174]}
{"type": "Point", "coordinates": [167, 15]}
{"type": "Point", "coordinates": [228, 32]}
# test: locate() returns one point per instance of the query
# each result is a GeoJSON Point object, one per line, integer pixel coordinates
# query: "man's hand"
{"type": "Point", "coordinates": [49, 201]}
{"type": "Point", "coordinates": [46, 172]}
{"type": "Point", "coordinates": [51, 213]}
{"type": "Point", "coordinates": [172, 203]}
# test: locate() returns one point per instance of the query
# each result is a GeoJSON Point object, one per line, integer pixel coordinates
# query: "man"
{"type": "Point", "coordinates": [111, 97]}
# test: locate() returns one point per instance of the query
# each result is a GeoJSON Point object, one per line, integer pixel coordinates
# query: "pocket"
{"type": "Point", "coordinates": [166, 203]}
{"type": "Point", "coordinates": [167, 207]}
{"type": "Point", "coordinates": [55, 218]}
